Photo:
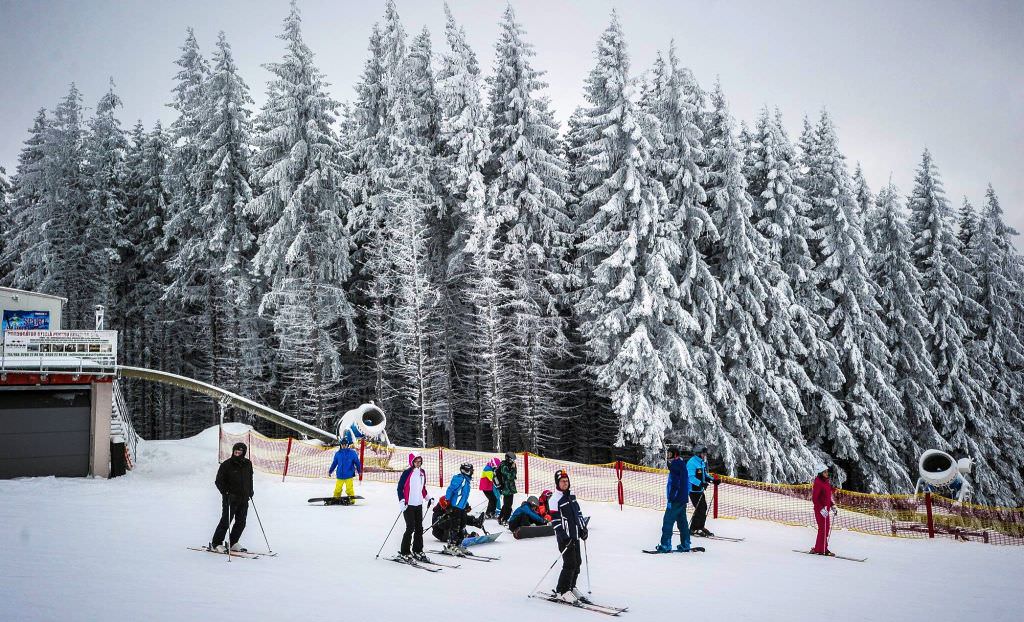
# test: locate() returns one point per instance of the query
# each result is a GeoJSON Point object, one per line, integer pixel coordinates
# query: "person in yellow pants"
{"type": "Point", "coordinates": [345, 467]}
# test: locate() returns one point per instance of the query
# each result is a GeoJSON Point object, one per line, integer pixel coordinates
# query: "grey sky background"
{"type": "Point", "coordinates": [896, 76]}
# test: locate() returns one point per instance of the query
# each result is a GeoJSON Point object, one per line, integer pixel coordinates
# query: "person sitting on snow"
{"type": "Point", "coordinates": [542, 506]}
{"type": "Point", "coordinates": [526, 514]}
{"type": "Point", "coordinates": [346, 464]}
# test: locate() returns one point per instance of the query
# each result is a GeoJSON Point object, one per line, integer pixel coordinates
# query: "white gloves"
{"type": "Point", "coordinates": [403, 505]}
{"type": "Point", "coordinates": [823, 512]}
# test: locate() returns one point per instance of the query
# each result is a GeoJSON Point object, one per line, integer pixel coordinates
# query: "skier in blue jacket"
{"type": "Point", "coordinates": [699, 478]}
{"type": "Point", "coordinates": [675, 509]}
{"type": "Point", "coordinates": [458, 499]}
{"type": "Point", "coordinates": [345, 464]}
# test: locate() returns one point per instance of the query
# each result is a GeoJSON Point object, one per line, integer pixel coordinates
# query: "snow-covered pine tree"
{"type": "Point", "coordinates": [530, 179]}
{"type": "Point", "coordinates": [968, 224]}
{"type": "Point", "coordinates": [907, 326]}
{"type": "Point", "coordinates": [63, 208]}
{"type": "Point", "coordinates": [863, 198]}
{"type": "Point", "coordinates": [630, 304]}
{"type": "Point", "coordinates": [993, 256]}
{"type": "Point", "coordinates": [6, 235]}
{"type": "Point", "coordinates": [678, 166]}
{"type": "Point", "coordinates": [758, 395]}
{"type": "Point", "coordinates": [780, 214]}
{"type": "Point", "coordinates": [26, 248]}
{"type": "Point", "coordinates": [304, 249]}
{"type": "Point", "coordinates": [873, 411]}
{"type": "Point", "coordinates": [965, 421]}
{"type": "Point", "coordinates": [104, 153]}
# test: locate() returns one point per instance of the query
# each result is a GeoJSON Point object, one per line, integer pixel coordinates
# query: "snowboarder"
{"type": "Point", "coordinates": [675, 508]}
{"type": "Point", "coordinates": [824, 509]}
{"type": "Point", "coordinates": [699, 478]}
{"type": "Point", "coordinates": [412, 493]}
{"type": "Point", "coordinates": [487, 487]}
{"type": "Point", "coordinates": [345, 465]}
{"type": "Point", "coordinates": [234, 481]}
{"type": "Point", "coordinates": [570, 529]}
{"type": "Point", "coordinates": [526, 514]}
{"type": "Point", "coordinates": [458, 499]}
{"type": "Point", "coordinates": [505, 482]}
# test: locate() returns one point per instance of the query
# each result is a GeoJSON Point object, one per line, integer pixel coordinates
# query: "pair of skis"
{"type": "Point", "coordinates": [588, 605]}
{"type": "Point", "coordinates": [850, 559]}
{"type": "Point", "coordinates": [429, 565]}
{"type": "Point", "coordinates": [242, 554]}
{"type": "Point", "coordinates": [471, 556]}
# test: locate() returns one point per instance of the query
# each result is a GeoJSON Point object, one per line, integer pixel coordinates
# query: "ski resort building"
{"type": "Point", "coordinates": [60, 408]}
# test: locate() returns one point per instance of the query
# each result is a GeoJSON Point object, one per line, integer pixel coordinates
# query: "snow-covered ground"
{"type": "Point", "coordinates": [90, 549]}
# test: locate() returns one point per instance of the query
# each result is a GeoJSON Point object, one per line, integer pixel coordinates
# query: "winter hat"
{"type": "Point", "coordinates": [495, 462]}
{"type": "Point", "coordinates": [559, 474]}
{"type": "Point", "coordinates": [818, 467]}
{"type": "Point", "coordinates": [546, 494]}
{"type": "Point", "coordinates": [532, 501]}
{"type": "Point", "coordinates": [510, 455]}
{"type": "Point", "coordinates": [412, 458]}
{"type": "Point", "coordinates": [238, 446]}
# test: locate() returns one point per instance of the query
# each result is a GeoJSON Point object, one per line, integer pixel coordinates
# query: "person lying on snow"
{"type": "Point", "coordinates": [442, 520]}
{"type": "Point", "coordinates": [526, 514]}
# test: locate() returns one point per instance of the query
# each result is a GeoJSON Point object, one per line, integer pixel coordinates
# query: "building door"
{"type": "Point", "coordinates": [44, 431]}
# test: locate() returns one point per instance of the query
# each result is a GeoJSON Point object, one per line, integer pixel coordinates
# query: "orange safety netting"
{"type": "Point", "coordinates": [907, 516]}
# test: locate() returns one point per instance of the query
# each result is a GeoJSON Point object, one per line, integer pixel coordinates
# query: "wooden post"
{"type": "Point", "coordinates": [362, 457]}
{"type": "Point", "coordinates": [287, 457]}
{"type": "Point", "coordinates": [928, 508]}
{"type": "Point", "coordinates": [526, 469]}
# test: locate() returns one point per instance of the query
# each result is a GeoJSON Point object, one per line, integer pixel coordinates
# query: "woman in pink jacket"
{"type": "Point", "coordinates": [824, 509]}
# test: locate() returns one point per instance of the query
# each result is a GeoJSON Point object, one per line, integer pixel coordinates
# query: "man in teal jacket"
{"type": "Point", "coordinates": [699, 478]}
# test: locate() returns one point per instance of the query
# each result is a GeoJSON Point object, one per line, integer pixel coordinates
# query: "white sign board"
{"type": "Point", "coordinates": [76, 347]}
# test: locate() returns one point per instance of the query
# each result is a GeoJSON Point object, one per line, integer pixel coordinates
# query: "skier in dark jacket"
{"type": "Point", "coordinates": [505, 483]}
{"type": "Point", "coordinates": [570, 529]}
{"type": "Point", "coordinates": [699, 479]}
{"type": "Point", "coordinates": [234, 481]}
{"type": "Point", "coordinates": [675, 507]}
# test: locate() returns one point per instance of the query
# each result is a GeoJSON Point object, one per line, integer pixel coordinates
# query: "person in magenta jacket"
{"type": "Point", "coordinates": [824, 509]}
{"type": "Point", "coordinates": [487, 487]}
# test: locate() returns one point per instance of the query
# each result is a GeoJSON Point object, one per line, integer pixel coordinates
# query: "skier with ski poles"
{"type": "Point", "coordinates": [412, 494]}
{"type": "Point", "coordinates": [570, 530]}
{"type": "Point", "coordinates": [824, 509]}
{"type": "Point", "coordinates": [505, 483]}
{"type": "Point", "coordinates": [458, 498]}
{"type": "Point", "coordinates": [234, 481]}
{"type": "Point", "coordinates": [675, 507]}
{"type": "Point", "coordinates": [699, 478]}
{"type": "Point", "coordinates": [345, 465]}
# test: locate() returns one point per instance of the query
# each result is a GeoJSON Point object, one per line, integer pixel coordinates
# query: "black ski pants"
{"type": "Point", "coordinates": [506, 507]}
{"type": "Point", "coordinates": [492, 501]}
{"type": "Point", "coordinates": [456, 525]}
{"type": "Point", "coordinates": [413, 530]}
{"type": "Point", "coordinates": [233, 507]}
{"type": "Point", "coordinates": [571, 562]}
{"type": "Point", "coordinates": [700, 510]}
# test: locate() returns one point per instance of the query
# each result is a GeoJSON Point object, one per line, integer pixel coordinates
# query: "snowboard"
{"type": "Point", "coordinates": [334, 500]}
{"type": "Point", "coordinates": [533, 531]}
{"type": "Point", "coordinates": [693, 549]}
{"type": "Point", "coordinates": [490, 537]}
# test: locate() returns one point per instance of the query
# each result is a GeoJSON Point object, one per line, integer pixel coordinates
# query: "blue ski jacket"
{"type": "Point", "coordinates": [458, 491]}
{"type": "Point", "coordinates": [697, 471]}
{"type": "Point", "coordinates": [677, 488]}
{"type": "Point", "coordinates": [346, 463]}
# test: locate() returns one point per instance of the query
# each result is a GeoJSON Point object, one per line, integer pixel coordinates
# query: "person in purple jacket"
{"type": "Point", "coordinates": [412, 494]}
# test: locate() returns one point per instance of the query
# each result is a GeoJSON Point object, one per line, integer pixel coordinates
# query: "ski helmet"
{"type": "Point", "coordinates": [510, 455]}
{"type": "Point", "coordinates": [700, 450]}
{"type": "Point", "coordinates": [239, 447]}
{"type": "Point", "coordinates": [532, 501]}
{"type": "Point", "coordinates": [443, 503]}
{"type": "Point", "coordinates": [466, 469]}
{"type": "Point", "coordinates": [819, 467]}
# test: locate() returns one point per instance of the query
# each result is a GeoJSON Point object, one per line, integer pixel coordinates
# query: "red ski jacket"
{"type": "Point", "coordinates": [821, 494]}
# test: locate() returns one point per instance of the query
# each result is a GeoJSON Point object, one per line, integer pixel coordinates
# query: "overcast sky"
{"type": "Point", "coordinates": [896, 76]}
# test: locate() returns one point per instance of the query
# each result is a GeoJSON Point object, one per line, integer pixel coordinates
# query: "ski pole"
{"type": "Point", "coordinates": [586, 561]}
{"type": "Point", "coordinates": [560, 553]}
{"type": "Point", "coordinates": [389, 534]}
{"type": "Point", "coordinates": [231, 522]}
{"type": "Point", "coordinates": [269, 550]}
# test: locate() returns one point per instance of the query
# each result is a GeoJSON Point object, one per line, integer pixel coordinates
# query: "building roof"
{"type": "Point", "coordinates": [26, 292]}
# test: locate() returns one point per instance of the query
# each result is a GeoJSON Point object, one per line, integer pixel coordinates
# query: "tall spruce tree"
{"type": "Point", "coordinates": [304, 248]}
{"type": "Point", "coordinates": [26, 248]}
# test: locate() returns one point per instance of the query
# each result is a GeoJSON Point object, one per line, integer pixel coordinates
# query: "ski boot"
{"type": "Point", "coordinates": [455, 551]}
{"type": "Point", "coordinates": [580, 597]}
{"type": "Point", "coordinates": [663, 549]}
{"type": "Point", "coordinates": [240, 549]}
{"type": "Point", "coordinates": [567, 597]}
{"type": "Point", "coordinates": [217, 548]}
{"type": "Point", "coordinates": [421, 557]}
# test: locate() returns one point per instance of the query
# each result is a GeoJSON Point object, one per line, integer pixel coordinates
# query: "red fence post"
{"type": "Point", "coordinates": [618, 476]}
{"type": "Point", "coordinates": [440, 467]}
{"type": "Point", "coordinates": [287, 457]}
{"type": "Point", "coordinates": [928, 507]}
{"type": "Point", "coordinates": [715, 499]}
{"type": "Point", "coordinates": [526, 469]}
{"type": "Point", "coordinates": [362, 459]}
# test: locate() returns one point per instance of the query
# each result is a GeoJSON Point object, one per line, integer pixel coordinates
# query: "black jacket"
{"type": "Point", "coordinates": [234, 477]}
{"type": "Point", "coordinates": [569, 524]}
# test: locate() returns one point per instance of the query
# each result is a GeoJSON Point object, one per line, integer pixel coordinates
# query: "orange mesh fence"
{"type": "Point", "coordinates": [906, 516]}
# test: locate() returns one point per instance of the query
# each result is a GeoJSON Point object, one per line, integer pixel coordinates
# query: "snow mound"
{"type": "Point", "coordinates": [89, 549]}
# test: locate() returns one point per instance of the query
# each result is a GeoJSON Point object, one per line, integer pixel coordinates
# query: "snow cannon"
{"type": "Point", "coordinates": [365, 421]}
{"type": "Point", "coordinates": [941, 473]}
